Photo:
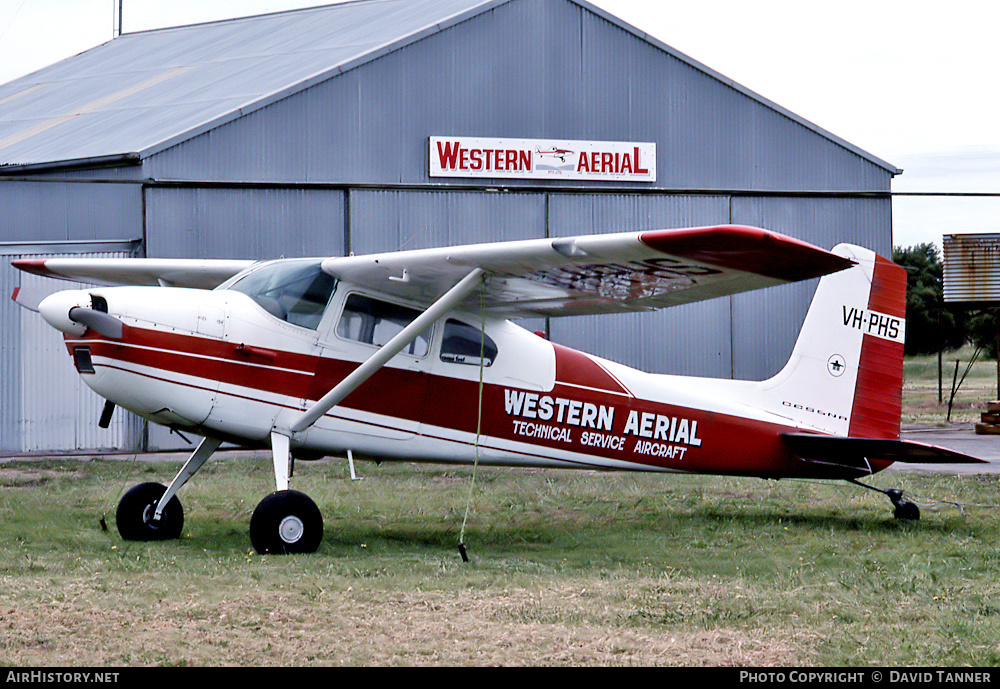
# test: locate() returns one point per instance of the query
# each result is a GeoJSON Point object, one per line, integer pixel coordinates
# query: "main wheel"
{"type": "Point", "coordinates": [286, 522]}
{"type": "Point", "coordinates": [136, 511]}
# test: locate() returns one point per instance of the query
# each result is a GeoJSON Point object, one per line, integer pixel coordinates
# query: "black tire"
{"type": "Point", "coordinates": [286, 522]}
{"type": "Point", "coordinates": [906, 510]}
{"type": "Point", "coordinates": [135, 515]}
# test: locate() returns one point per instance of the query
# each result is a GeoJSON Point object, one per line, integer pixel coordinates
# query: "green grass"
{"type": "Point", "coordinates": [567, 568]}
{"type": "Point", "coordinates": [922, 387]}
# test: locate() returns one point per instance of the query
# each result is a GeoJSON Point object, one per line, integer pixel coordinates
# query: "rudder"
{"type": "Point", "coordinates": [845, 374]}
{"type": "Point", "coordinates": [878, 395]}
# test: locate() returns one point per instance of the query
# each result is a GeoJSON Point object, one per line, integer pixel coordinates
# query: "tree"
{"type": "Point", "coordinates": [931, 325]}
{"type": "Point", "coordinates": [982, 329]}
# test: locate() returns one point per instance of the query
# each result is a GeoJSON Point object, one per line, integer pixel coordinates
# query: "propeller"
{"type": "Point", "coordinates": [28, 298]}
{"type": "Point", "coordinates": [74, 311]}
{"type": "Point", "coordinates": [109, 409]}
{"type": "Point", "coordinates": [98, 321]}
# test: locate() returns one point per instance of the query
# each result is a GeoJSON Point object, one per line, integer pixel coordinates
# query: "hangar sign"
{"type": "Point", "coordinates": [618, 161]}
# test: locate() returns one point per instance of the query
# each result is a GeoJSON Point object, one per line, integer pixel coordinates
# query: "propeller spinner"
{"type": "Point", "coordinates": [73, 312]}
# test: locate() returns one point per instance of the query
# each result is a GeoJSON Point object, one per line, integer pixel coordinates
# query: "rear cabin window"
{"type": "Point", "coordinates": [375, 322]}
{"type": "Point", "coordinates": [463, 344]}
{"type": "Point", "coordinates": [294, 291]}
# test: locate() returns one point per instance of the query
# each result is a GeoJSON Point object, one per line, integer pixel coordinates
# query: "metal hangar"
{"type": "Point", "coordinates": [387, 124]}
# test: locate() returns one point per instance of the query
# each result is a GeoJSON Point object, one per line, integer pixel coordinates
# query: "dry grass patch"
{"type": "Point", "coordinates": [562, 625]}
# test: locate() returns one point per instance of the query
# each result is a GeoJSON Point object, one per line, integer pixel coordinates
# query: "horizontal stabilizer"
{"type": "Point", "coordinates": [857, 452]}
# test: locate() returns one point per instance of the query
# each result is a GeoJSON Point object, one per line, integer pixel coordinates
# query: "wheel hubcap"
{"type": "Point", "coordinates": [149, 516]}
{"type": "Point", "coordinates": [291, 529]}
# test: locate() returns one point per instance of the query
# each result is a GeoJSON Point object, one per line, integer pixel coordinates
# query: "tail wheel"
{"type": "Point", "coordinates": [136, 515]}
{"type": "Point", "coordinates": [906, 510]}
{"type": "Point", "coordinates": [286, 522]}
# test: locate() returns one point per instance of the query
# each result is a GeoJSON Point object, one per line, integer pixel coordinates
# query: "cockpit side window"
{"type": "Point", "coordinates": [294, 291]}
{"type": "Point", "coordinates": [376, 322]}
{"type": "Point", "coordinates": [463, 344]}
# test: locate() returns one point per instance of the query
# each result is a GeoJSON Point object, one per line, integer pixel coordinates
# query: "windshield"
{"type": "Point", "coordinates": [294, 291]}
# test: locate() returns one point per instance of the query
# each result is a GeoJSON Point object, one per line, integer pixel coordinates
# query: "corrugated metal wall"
{"type": "Point", "coordinates": [566, 73]}
{"type": "Point", "coordinates": [526, 69]}
{"type": "Point", "coordinates": [693, 339]}
{"type": "Point", "coordinates": [342, 166]}
{"type": "Point", "coordinates": [247, 222]}
{"type": "Point", "coordinates": [44, 403]}
{"type": "Point", "coordinates": [766, 322]}
{"type": "Point", "coordinates": [394, 219]}
{"type": "Point", "coordinates": [43, 211]}
{"type": "Point", "coordinates": [747, 336]}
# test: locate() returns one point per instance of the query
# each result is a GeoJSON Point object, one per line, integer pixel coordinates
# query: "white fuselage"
{"type": "Point", "coordinates": [217, 363]}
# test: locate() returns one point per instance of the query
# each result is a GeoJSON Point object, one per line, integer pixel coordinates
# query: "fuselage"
{"type": "Point", "coordinates": [230, 364]}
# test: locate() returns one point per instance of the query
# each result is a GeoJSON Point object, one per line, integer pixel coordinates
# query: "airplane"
{"type": "Point", "coordinates": [559, 153]}
{"type": "Point", "coordinates": [412, 355]}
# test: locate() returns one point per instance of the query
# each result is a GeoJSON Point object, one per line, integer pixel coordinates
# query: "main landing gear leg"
{"type": "Point", "coordinates": [903, 509]}
{"type": "Point", "coordinates": [150, 512]}
{"type": "Point", "coordinates": [286, 521]}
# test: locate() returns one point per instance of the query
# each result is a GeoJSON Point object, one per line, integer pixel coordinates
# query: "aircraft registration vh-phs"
{"type": "Point", "coordinates": [410, 355]}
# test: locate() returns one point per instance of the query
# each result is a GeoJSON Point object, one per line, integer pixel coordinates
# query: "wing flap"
{"type": "Point", "coordinates": [175, 272]}
{"type": "Point", "coordinates": [857, 452]}
{"type": "Point", "coordinates": [592, 274]}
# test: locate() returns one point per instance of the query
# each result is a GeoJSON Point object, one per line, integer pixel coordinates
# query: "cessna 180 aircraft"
{"type": "Point", "coordinates": [410, 356]}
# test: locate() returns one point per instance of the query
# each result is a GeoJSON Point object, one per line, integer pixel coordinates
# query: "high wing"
{"type": "Point", "coordinates": [591, 274]}
{"type": "Point", "coordinates": [167, 272]}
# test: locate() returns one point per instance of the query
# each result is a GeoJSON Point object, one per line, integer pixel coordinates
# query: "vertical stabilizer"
{"type": "Point", "coordinates": [845, 375]}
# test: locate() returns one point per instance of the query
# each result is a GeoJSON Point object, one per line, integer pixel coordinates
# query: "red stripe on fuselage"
{"type": "Point", "coordinates": [286, 374]}
{"type": "Point", "coordinates": [577, 369]}
{"type": "Point", "coordinates": [588, 410]}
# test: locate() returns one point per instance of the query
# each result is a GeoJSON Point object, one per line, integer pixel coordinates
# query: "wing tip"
{"type": "Point", "coordinates": [746, 248]}
{"type": "Point", "coordinates": [32, 265]}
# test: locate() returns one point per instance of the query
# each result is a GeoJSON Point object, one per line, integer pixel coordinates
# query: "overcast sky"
{"type": "Point", "coordinates": [912, 83]}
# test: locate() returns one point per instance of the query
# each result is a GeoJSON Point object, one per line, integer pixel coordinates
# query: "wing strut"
{"type": "Point", "coordinates": [377, 360]}
{"type": "Point", "coordinates": [195, 461]}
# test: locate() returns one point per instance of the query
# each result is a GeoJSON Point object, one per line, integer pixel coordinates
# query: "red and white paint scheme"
{"type": "Point", "coordinates": [410, 356]}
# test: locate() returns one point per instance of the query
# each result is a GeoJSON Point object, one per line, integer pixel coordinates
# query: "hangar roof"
{"type": "Point", "coordinates": [144, 92]}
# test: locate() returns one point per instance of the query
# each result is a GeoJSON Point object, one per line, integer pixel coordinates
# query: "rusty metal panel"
{"type": "Point", "coordinates": [972, 268]}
